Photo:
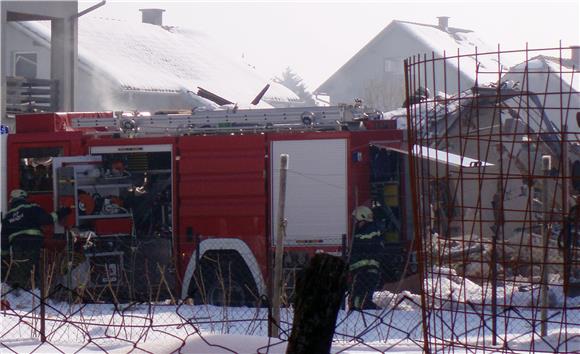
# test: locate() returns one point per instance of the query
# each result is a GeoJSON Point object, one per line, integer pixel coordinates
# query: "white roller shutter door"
{"type": "Point", "coordinates": [316, 192]}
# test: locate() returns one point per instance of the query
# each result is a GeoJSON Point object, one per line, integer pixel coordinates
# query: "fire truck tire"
{"type": "Point", "coordinates": [223, 279]}
{"type": "Point", "coordinates": [226, 293]}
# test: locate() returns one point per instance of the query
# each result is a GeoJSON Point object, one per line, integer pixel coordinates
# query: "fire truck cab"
{"type": "Point", "coordinates": [185, 204]}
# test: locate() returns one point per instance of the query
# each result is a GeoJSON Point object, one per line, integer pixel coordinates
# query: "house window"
{"type": "Point", "coordinates": [25, 65]}
{"type": "Point", "coordinates": [393, 66]}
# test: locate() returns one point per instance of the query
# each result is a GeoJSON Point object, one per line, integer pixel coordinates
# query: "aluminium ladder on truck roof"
{"type": "Point", "coordinates": [226, 120]}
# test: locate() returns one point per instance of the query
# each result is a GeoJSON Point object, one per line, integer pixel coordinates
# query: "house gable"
{"type": "Point", "coordinates": [376, 72]}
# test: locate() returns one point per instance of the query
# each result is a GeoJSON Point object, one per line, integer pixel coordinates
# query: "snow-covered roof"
{"type": "Point", "coordinates": [563, 70]}
{"type": "Point", "coordinates": [555, 83]}
{"type": "Point", "coordinates": [145, 57]}
{"type": "Point", "coordinates": [451, 43]}
{"type": "Point", "coordinates": [436, 41]}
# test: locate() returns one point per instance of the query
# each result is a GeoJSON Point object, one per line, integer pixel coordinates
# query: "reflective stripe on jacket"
{"type": "Point", "coordinates": [28, 232]}
{"type": "Point", "coordinates": [370, 263]}
{"type": "Point", "coordinates": [369, 235]}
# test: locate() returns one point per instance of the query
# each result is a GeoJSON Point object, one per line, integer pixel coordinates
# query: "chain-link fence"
{"type": "Point", "coordinates": [29, 323]}
{"type": "Point", "coordinates": [224, 296]}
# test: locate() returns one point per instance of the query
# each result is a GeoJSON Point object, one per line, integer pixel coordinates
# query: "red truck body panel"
{"type": "Point", "coordinates": [221, 184]}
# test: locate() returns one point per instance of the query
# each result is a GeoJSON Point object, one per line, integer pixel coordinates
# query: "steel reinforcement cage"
{"type": "Point", "coordinates": [495, 160]}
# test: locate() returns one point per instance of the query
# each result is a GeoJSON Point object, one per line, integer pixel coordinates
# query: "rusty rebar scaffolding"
{"type": "Point", "coordinates": [495, 160]}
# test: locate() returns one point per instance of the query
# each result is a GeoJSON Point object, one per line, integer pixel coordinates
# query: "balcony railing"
{"type": "Point", "coordinates": [25, 95]}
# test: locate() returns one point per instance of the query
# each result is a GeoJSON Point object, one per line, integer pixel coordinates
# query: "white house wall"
{"type": "Point", "coordinates": [18, 42]}
{"type": "Point", "coordinates": [120, 99]}
{"type": "Point", "coordinates": [100, 92]}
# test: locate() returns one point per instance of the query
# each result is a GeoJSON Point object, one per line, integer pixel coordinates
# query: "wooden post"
{"type": "Point", "coordinates": [281, 229]}
{"type": "Point", "coordinates": [319, 293]}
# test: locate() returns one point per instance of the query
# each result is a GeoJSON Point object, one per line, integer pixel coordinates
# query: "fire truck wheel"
{"type": "Point", "coordinates": [223, 279]}
{"type": "Point", "coordinates": [226, 293]}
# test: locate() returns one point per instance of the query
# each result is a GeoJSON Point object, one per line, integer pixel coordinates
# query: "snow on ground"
{"type": "Point", "coordinates": [160, 327]}
{"type": "Point", "coordinates": [461, 308]}
{"type": "Point", "coordinates": [210, 344]}
{"type": "Point", "coordinates": [446, 284]}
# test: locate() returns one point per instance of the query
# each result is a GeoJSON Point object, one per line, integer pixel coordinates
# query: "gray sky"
{"type": "Point", "coordinates": [316, 38]}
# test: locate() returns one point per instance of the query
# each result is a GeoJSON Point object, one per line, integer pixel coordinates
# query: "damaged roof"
{"type": "Point", "coordinates": [146, 57]}
{"type": "Point", "coordinates": [556, 83]}
{"type": "Point", "coordinates": [563, 69]}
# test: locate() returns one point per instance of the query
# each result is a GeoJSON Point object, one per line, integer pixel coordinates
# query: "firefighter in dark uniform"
{"type": "Point", "coordinates": [22, 228]}
{"type": "Point", "coordinates": [4, 255]}
{"type": "Point", "coordinates": [365, 259]}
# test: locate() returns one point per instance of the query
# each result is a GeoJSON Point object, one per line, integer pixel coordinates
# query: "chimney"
{"type": "Point", "coordinates": [575, 56]}
{"type": "Point", "coordinates": [152, 16]}
{"type": "Point", "coordinates": [443, 22]}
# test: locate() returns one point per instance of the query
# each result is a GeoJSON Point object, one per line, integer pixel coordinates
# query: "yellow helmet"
{"type": "Point", "coordinates": [363, 213]}
{"type": "Point", "coordinates": [18, 194]}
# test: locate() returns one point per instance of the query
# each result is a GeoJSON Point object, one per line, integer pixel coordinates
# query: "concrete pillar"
{"type": "Point", "coordinates": [63, 60]}
{"type": "Point", "coordinates": [3, 120]}
{"type": "Point", "coordinates": [3, 57]}
{"type": "Point", "coordinates": [4, 173]}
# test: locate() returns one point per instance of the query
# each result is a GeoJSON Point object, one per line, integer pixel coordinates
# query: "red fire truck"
{"type": "Point", "coordinates": [187, 202]}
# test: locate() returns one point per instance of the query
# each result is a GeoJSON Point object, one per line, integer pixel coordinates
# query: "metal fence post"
{"type": "Point", "coordinates": [546, 167]}
{"type": "Point", "coordinates": [42, 295]}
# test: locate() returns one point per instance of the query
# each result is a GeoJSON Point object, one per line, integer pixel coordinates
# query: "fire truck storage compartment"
{"type": "Point", "coordinates": [149, 172]}
{"type": "Point", "coordinates": [146, 170]}
{"type": "Point", "coordinates": [106, 269]}
{"type": "Point", "coordinates": [317, 205]}
{"type": "Point", "coordinates": [132, 212]}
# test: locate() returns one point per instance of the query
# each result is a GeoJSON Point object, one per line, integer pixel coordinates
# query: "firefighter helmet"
{"type": "Point", "coordinates": [18, 194]}
{"type": "Point", "coordinates": [363, 213]}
